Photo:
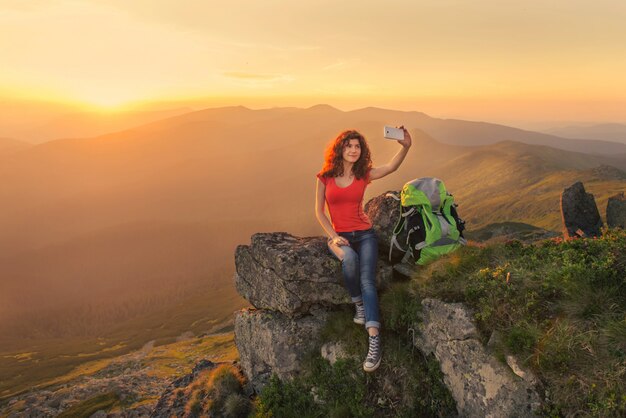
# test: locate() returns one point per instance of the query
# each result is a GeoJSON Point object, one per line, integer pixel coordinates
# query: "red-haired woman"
{"type": "Point", "coordinates": [341, 185]}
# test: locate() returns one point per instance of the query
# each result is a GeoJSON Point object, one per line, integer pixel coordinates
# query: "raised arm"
{"type": "Point", "coordinates": [391, 166]}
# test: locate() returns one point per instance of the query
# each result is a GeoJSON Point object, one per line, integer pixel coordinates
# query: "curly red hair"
{"type": "Point", "coordinates": [333, 156]}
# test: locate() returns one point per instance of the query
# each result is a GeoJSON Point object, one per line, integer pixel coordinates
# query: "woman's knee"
{"type": "Point", "coordinates": [350, 256]}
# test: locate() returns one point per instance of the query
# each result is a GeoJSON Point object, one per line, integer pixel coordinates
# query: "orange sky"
{"type": "Point", "coordinates": [485, 59]}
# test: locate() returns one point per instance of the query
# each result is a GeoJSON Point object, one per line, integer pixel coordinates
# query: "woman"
{"type": "Point", "coordinates": [341, 185]}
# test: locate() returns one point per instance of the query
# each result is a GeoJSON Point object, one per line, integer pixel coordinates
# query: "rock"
{"type": "Point", "coordinates": [479, 383]}
{"type": "Point", "coordinates": [281, 272]}
{"type": "Point", "coordinates": [99, 414]}
{"type": "Point", "coordinates": [272, 343]}
{"type": "Point", "coordinates": [405, 271]}
{"type": "Point", "coordinates": [580, 213]}
{"type": "Point", "coordinates": [494, 340]}
{"type": "Point", "coordinates": [384, 275]}
{"type": "Point", "coordinates": [616, 211]}
{"type": "Point", "coordinates": [512, 362]}
{"type": "Point", "coordinates": [170, 401]}
{"type": "Point", "coordinates": [384, 211]}
{"type": "Point", "coordinates": [333, 351]}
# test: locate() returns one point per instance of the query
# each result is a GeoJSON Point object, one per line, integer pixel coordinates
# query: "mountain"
{"type": "Point", "coordinates": [9, 146]}
{"type": "Point", "coordinates": [614, 132]}
{"type": "Point", "coordinates": [460, 132]}
{"type": "Point", "coordinates": [36, 122]}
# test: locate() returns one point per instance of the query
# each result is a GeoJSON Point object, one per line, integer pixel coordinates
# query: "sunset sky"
{"type": "Point", "coordinates": [487, 59]}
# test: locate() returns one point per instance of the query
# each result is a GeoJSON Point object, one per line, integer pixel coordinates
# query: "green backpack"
{"type": "Point", "coordinates": [429, 225]}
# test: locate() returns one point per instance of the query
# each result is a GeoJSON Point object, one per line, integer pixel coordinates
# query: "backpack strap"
{"type": "Point", "coordinates": [394, 243]}
{"type": "Point", "coordinates": [396, 229]}
{"type": "Point", "coordinates": [393, 195]}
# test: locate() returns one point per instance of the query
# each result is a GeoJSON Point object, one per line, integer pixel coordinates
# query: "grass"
{"type": "Point", "coordinates": [90, 406]}
{"type": "Point", "coordinates": [214, 392]}
{"type": "Point", "coordinates": [560, 307]}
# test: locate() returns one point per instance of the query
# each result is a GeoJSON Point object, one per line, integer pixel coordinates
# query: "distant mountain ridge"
{"type": "Point", "coordinates": [615, 132]}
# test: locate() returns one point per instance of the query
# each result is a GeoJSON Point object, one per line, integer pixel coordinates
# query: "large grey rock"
{"type": "Point", "coordinates": [281, 272]}
{"type": "Point", "coordinates": [384, 212]}
{"type": "Point", "coordinates": [270, 342]}
{"type": "Point", "coordinates": [616, 211]}
{"type": "Point", "coordinates": [479, 383]}
{"type": "Point", "coordinates": [580, 213]}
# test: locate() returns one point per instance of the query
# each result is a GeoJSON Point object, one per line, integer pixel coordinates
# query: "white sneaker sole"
{"type": "Point", "coordinates": [359, 321]}
{"type": "Point", "coordinates": [371, 369]}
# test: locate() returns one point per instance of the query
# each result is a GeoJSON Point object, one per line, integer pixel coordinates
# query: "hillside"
{"type": "Point", "coordinates": [553, 309]}
{"type": "Point", "coordinates": [132, 381]}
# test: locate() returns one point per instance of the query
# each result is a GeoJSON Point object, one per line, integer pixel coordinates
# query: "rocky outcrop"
{"type": "Point", "coordinates": [270, 342]}
{"type": "Point", "coordinates": [580, 213]}
{"type": "Point", "coordinates": [284, 273]}
{"type": "Point", "coordinates": [616, 211]}
{"type": "Point", "coordinates": [292, 282]}
{"type": "Point", "coordinates": [480, 385]}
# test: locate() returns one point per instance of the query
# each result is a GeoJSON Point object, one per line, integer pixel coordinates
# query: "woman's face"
{"type": "Point", "coordinates": [352, 151]}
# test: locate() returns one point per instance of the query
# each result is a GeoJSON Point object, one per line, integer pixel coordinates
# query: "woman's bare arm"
{"type": "Point", "coordinates": [391, 166]}
{"type": "Point", "coordinates": [320, 213]}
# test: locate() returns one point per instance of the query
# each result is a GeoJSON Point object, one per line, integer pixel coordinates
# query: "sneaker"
{"type": "Point", "coordinates": [372, 361]}
{"type": "Point", "coordinates": [359, 316]}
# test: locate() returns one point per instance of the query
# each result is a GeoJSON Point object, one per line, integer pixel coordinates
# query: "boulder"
{"type": "Point", "coordinates": [384, 211]}
{"type": "Point", "coordinates": [289, 274]}
{"type": "Point", "coordinates": [480, 384]}
{"type": "Point", "coordinates": [272, 343]}
{"type": "Point", "coordinates": [616, 211]}
{"type": "Point", "coordinates": [580, 213]}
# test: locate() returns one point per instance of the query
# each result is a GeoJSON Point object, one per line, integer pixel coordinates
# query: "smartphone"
{"type": "Point", "coordinates": [394, 133]}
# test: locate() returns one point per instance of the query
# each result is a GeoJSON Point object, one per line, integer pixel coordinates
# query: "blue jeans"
{"type": "Point", "coordinates": [359, 271]}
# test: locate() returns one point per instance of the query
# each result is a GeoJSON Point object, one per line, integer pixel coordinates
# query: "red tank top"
{"type": "Point", "coordinates": [345, 204]}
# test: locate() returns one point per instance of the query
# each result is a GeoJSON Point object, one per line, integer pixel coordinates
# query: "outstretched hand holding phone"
{"type": "Point", "coordinates": [400, 134]}
{"type": "Point", "coordinates": [406, 141]}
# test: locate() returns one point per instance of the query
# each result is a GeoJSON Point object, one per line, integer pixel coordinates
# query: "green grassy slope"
{"type": "Point", "coordinates": [559, 307]}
